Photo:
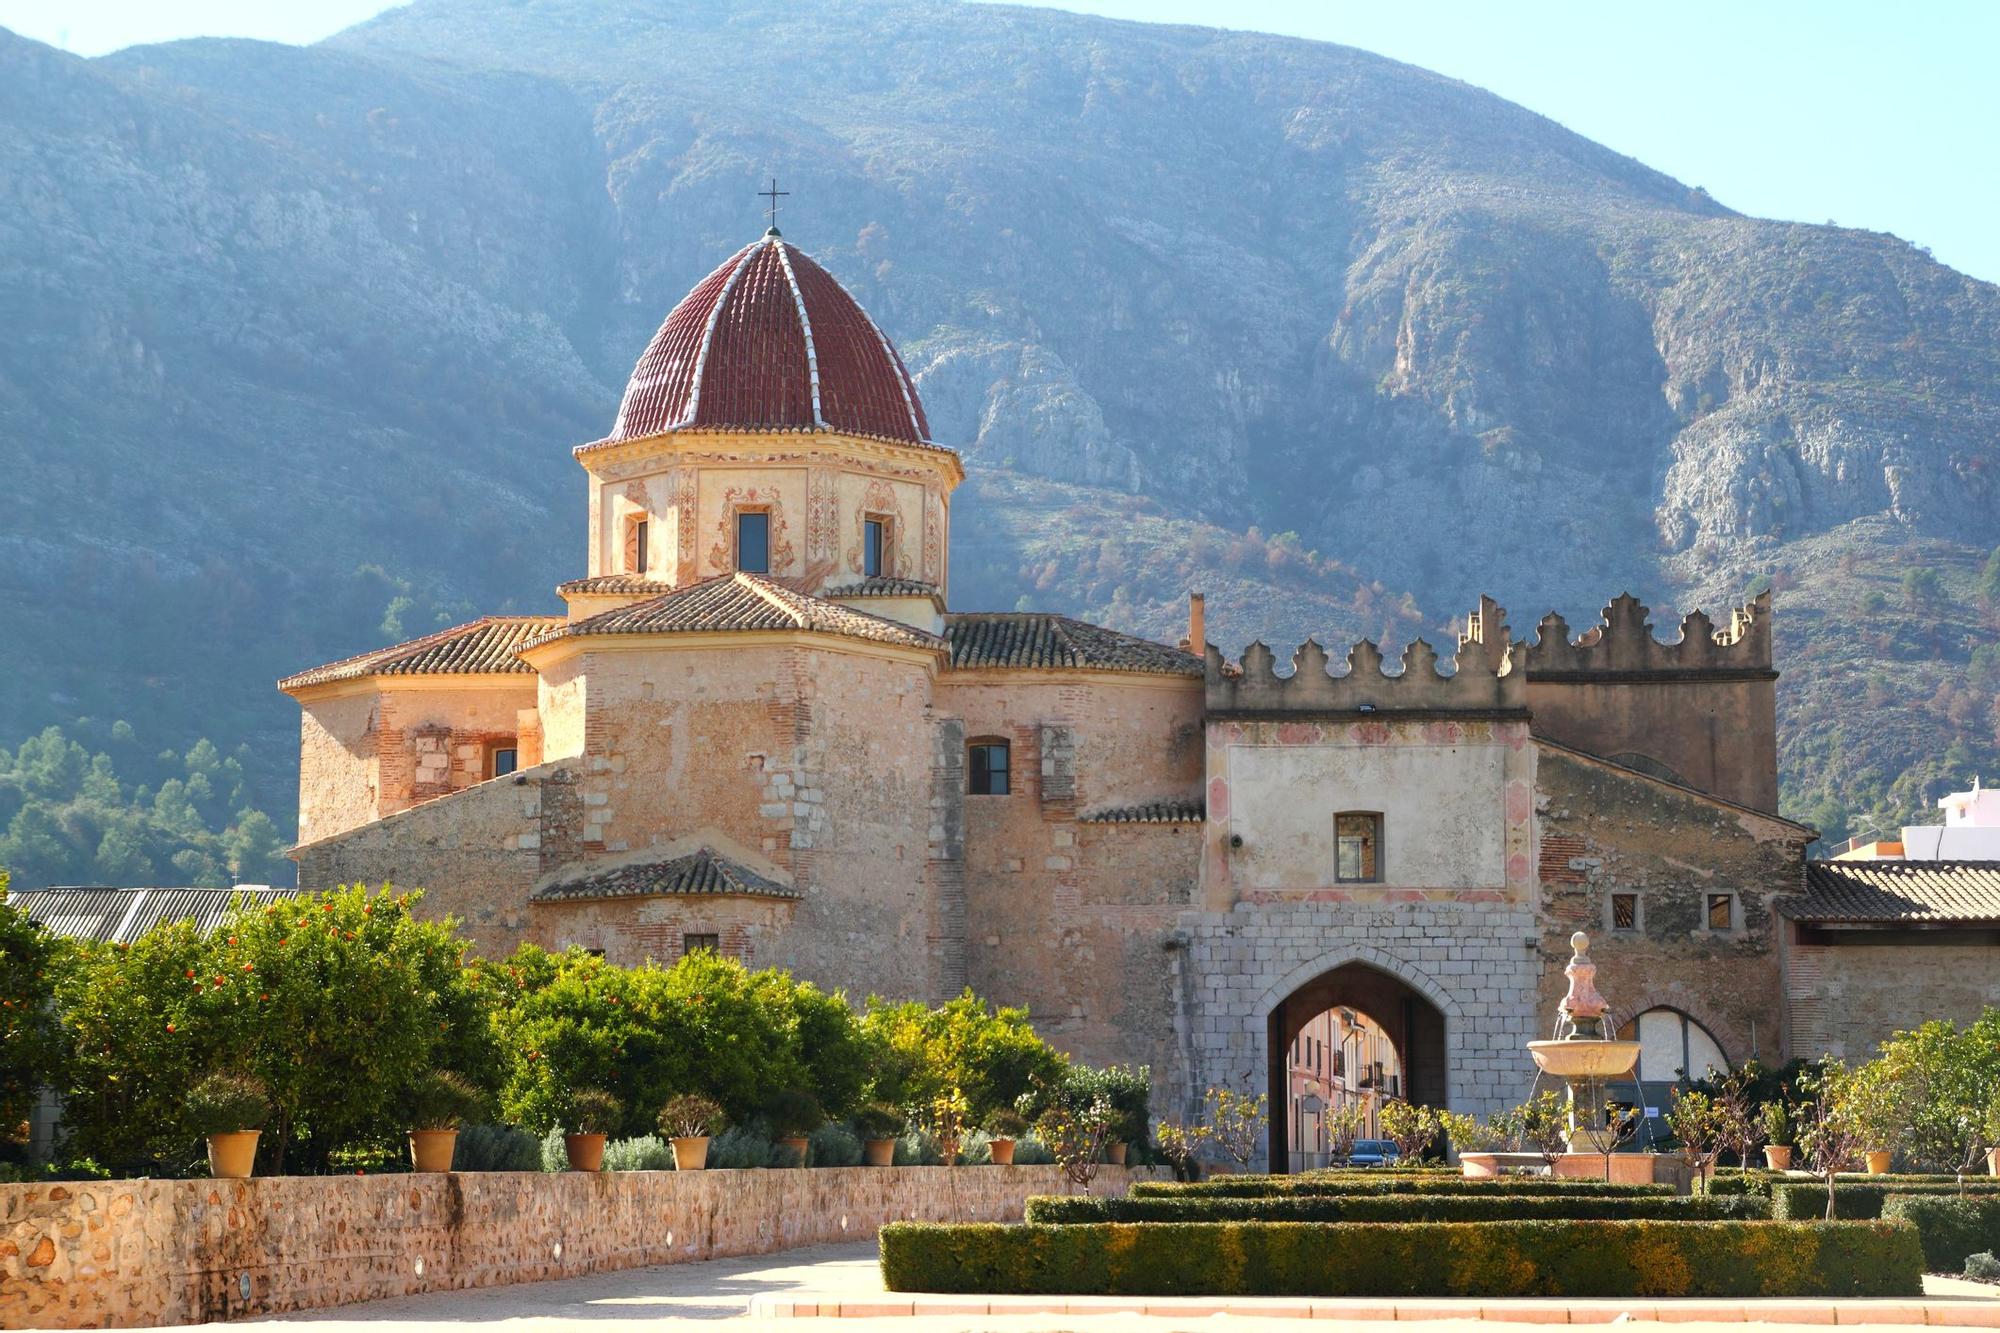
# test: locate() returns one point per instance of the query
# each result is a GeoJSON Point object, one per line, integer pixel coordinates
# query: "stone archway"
{"type": "Point", "coordinates": [1416, 1025]}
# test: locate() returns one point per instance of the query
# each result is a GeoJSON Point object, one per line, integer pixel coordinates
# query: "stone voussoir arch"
{"type": "Point", "coordinates": [1368, 955]}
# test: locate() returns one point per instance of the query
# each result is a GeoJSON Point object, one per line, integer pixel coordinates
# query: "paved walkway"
{"type": "Point", "coordinates": [777, 1293]}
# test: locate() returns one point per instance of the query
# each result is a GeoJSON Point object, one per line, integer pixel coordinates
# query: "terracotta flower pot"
{"type": "Point", "coordinates": [1778, 1156]}
{"type": "Point", "coordinates": [432, 1149]}
{"type": "Point", "coordinates": [1003, 1152]}
{"type": "Point", "coordinates": [586, 1151]}
{"type": "Point", "coordinates": [797, 1145]}
{"type": "Point", "coordinates": [691, 1154]}
{"type": "Point", "coordinates": [879, 1152]}
{"type": "Point", "coordinates": [1878, 1163]}
{"type": "Point", "coordinates": [1114, 1153]}
{"type": "Point", "coordinates": [233, 1155]}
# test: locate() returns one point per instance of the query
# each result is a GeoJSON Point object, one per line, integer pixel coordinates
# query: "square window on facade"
{"type": "Point", "coordinates": [1624, 911]}
{"type": "Point", "coordinates": [753, 541]}
{"type": "Point", "coordinates": [1357, 848]}
{"type": "Point", "coordinates": [696, 943]}
{"type": "Point", "coordinates": [1721, 911]}
{"type": "Point", "coordinates": [640, 530]}
{"type": "Point", "coordinates": [505, 760]}
{"type": "Point", "coordinates": [986, 768]}
{"type": "Point", "coordinates": [874, 537]}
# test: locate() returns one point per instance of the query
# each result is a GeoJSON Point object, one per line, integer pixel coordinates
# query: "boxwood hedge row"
{"type": "Point", "coordinates": [1276, 1187]}
{"type": "Point", "coordinates": [1072, 1210]}
{"type": "Point", "coordinates": [1533, 1258]}
{"type": "Point", "coordinates": [1805, 1200]}
{"type": "Point", "coordinates": [1951, 1228]}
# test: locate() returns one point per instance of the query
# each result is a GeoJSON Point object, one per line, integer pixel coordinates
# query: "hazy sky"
{"type": "Point", "coordinates": [1856, 111]}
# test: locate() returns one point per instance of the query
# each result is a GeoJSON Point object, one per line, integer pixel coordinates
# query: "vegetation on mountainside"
{"type": "Point", "coordinates": [66, 817]}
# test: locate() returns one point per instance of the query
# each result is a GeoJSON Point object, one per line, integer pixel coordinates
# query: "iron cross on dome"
{"type": "Point", "coordinates": [774, 194]}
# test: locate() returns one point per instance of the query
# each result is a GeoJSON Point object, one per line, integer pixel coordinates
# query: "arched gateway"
{"type": "Point", "coordinates": [1349, 1003]}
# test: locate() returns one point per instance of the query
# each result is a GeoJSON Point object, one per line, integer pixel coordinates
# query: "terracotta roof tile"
{"type": "Point", "coordinates": [884, 586]}
{"type": "Point", "coordinates": [1036, 640]}
{"type": "Point", "coordinates": [740, 602]}
{"type": "Point", "coordinates": [484, 647]}
{"type": "Point", "coordinates": [1917, 892]}
{"type": "Point", "coordinates": [613, 584]}
{"type": "Point", "coordinates": [771, 341]}
{"type": "Point", "coordinates": [1155, 812]}
{"type": "Point", "coordinates": [699, 872]}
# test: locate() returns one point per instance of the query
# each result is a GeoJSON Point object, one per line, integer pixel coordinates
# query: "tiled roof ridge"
{"type": "Point", "coordinates": [702, 871]}
{"type": "Point", "coordinates": [373, 661]}
{"type": "Point", "coordinates": [781, 599]}
{"type": "Point", "coordinates": [1054, 641]}
{"type": "Point", "coordinates": [801, 612]}
{"type": "Point", "coordinates": [612, 582]}
{"type": "Point", "coordinates": [1148, 812]}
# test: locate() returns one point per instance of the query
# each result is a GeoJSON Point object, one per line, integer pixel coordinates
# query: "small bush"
{"type": "Point", "coordinates": [1005, 1123]}
{"type": "Point", "coordinates": [555, 1154]}
{"type": "Point", "coordinates": [442, 1099]}
{"type": "Point", "coordinates": [1953, 1229]}
{"type": "Point", "coordinates": [835, 1145]}
{"type": "Point", "coordinates": [646, 1153]}
{"type": "Point", "coordinates": [795, 1113]}
{"type": "Point", "coordinates": [1071, 1210]}
{"type": "Point", "coordinates": [879, 1120]}
{"type": "Point", "coordinates": [690, 1116]}
{"type": "Point", "coordinates": [1031, 1151]}
{"type": "Point", "coordinates": [226, 1103]}
{"type": "Point", "coordinates": [1982, 1267]}
{"type": "Point", "coordinates": [1273, 1187]}
{"type": "Point", "coordinates": [497, 1148]}
{"type": "Point", "coordinates": [741, 1147]}
{"type": "Point", "coordinates": [916, 1148]}
{"type": "Point", "coordinates": [593, 1111]}
{"type": "Point", "coordinates": [1539, 1258]}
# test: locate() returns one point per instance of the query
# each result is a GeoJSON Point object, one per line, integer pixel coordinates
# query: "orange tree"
{"type": "Point", "coordinates": [28, 1033]}
{"type": "Point", "coordinates": [992, 1055]}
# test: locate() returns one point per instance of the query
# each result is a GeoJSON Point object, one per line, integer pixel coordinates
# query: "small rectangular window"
{"type": "Point", "coordinates": [1357, 840]}
{"type": "Point", "coordinates": [696, 943]}
{"type": "Point", "coordinates": [639, 531]}
{"type": "Point", "coordinates": [753, 541]}
{"type": "Point", "coordinates": [505, 759]}
{"type": "Point", "coordinates": [1624, 911]}
{"type": "Point", "coordinates": [871, 547]}
{"type": "Point", "coordinates": [987, 768]}
{"type": "Point", "coordinates": [1721, 911]}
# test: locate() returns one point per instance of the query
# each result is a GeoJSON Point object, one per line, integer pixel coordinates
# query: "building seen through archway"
{"type": "Point", "coordinates": [1341, 1058]}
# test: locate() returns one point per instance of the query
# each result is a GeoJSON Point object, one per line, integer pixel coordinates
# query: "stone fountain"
{"type": "Point", "coordinates": [1585, 1052]}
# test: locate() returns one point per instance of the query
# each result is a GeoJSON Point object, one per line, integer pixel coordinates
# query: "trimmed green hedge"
{"type": "Point", "coordinates": [1278, 1187]}
{"type": "Point", "coordinates": [1951, 1228]}
{"type": "Point", "coordinates": [1547, 1258]}
{"type": "Point", "coordinates": [1072, 1209]}
{"type": "Point", "coordinates": [1805, 1200]}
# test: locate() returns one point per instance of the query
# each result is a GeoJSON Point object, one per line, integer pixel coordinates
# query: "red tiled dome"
{"type": "Point", "coordinates": [769, 341]}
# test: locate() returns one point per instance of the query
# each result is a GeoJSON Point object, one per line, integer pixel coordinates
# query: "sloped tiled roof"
{"type": "Point", "coordinates": [1155, 812]}
{"type": "Point", "coordinates": [699, 872]}
{"type": "Point", "coordinates": [614, 583]}
{"type": "Point", "coordinates": [485, 646]}
{"type": "Point", "coordinates": [1036, 640]}
{"type": "Point", "coordinates": [884, 586]}
{"type": "Point", "coordinates": [123, 915]}
{"type": "Point", "coordinates": [738, 602]}
{"type": "Point", "coordinates": [771, 341]}
{"type": "Point", "coordinates": [1889, 892]}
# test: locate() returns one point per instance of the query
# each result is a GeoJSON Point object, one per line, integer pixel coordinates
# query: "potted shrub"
{"type": "Point", "coordinates": [1005, 1126]}
{"type": "Point", "coordinates": [689, 1121]}
{"type": "Point", "coordinates": [1777, 1129]}
{"type": "Point", "coordinates": [795, 1114]}
{"type": "Point", "coordinates": [878, 1125]}
{"type": "Point", "coordinates": [593, 1114]}
{"type": "Point", "coordinates": [230, 1109]}
{"type": "Point", "coordinates": [440, 1104]}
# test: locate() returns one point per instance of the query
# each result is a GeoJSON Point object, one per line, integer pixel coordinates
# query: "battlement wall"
{"type": "Point", "coordinates": [1486, 682]}
{"type": "Point", "coordinates": [1624, 643]}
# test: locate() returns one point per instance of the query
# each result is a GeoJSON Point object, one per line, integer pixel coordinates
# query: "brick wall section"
{"type": "Point", "coordinates": [128, 1253]}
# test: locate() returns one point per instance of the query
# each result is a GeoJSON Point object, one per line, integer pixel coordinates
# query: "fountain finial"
{"type": "Point", "coordinates": [1583, 1002]}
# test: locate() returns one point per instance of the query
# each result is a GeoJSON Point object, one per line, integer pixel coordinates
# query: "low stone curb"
{"type": "Point", "coordinates": [1970, 1312]}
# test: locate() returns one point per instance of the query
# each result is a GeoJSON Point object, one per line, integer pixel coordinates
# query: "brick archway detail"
{"type": "Point", "coordinates": [1735, 1046]}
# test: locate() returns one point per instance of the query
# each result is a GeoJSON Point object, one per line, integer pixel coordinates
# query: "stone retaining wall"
{"type": "Point", "coordinates": [134, 1252]}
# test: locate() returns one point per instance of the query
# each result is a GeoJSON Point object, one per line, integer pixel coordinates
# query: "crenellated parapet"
{"type": "Point", "coordinates": [1485, 682]}
{"type": "Point", "coordinates": [1623, 645]}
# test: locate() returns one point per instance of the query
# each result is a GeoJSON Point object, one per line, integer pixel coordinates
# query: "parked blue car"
{"type": "Point", "coordinates": [1373, 1152]}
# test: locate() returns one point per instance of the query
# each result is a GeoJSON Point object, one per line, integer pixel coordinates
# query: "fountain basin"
{"type": "Point", "coordinates": [1585, 1058]}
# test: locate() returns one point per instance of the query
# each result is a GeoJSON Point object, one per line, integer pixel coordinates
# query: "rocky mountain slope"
{"type": "Point", "coordinates": [293, 344]}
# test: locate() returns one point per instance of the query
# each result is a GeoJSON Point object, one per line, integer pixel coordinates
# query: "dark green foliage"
{"type": "Point", "coordinates": [1805, 1200]}
{"type": "Point", "coordinates": [67, 818]}
{"type": "Point", "coordinates": [990, 1054]}
{"type": "Point", "coordinates": [441, 1099]}
{"type": "Point", "coordinates": [1953, 1229]}
{"type": "Point", "coordinates": [227, 1103]}
{"type": "Point", "coordinates": [1385, 1182]}
{"type": "Point", "coordinates": [593, 1111]}
{"type": "Point", "coordinates": [496, 1148]}
{"type": "Point", "coordinates": [1074, 1209]}
{"type": "Point", "coordinates": [1536, 1258]}
{"type": "Point", "coordinates": [30, 1039]}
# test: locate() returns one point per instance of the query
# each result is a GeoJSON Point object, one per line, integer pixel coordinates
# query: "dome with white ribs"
{"type": "Point", "coordinates": [770, 341]}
